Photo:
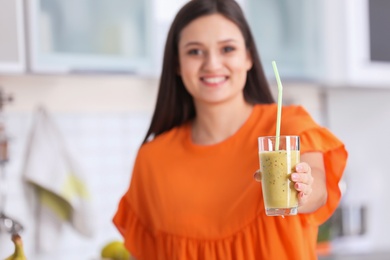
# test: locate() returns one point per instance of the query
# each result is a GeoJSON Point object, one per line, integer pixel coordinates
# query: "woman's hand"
{"type": "Point", "coordinates": [302, 178]}
{"type": "Point", "coordinates": [310, 184]}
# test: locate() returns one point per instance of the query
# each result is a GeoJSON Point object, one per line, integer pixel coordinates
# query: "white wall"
{"type": "Point", "coordinates": [361, 118]}
{"type": "Point", "coordinates": [103, 121]}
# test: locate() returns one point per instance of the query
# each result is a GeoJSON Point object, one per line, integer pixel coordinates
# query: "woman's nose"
{"type": "Point", "coordinates": [212, 61]}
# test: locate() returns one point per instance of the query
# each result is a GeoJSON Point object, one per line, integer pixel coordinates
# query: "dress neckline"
{"type": "Point", "coordinates": [201, 147]}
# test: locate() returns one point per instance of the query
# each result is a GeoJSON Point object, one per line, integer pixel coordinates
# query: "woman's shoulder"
{"type": "Point", "coordinates": [295, 110]}
{"type": "Point", "coordinates": [166, 140]}
{"type": "Point", "coordinates": [291, 108]}
{"type": "Point", "coordinates": [288, 111]}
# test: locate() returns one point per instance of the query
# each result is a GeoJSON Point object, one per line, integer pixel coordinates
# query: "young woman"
{"type": "Point", "coordinates": [192, 193]}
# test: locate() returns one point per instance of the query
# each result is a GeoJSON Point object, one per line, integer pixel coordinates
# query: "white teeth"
{"type": "Point", "coordinates": [214, 80]}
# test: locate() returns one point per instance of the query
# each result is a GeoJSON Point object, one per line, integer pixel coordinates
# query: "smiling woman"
{"type": "Point", "coordinates": [192, 194]}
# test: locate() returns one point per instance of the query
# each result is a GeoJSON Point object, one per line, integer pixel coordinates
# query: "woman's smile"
{"type": "Point", "coordinates": [213, 81]}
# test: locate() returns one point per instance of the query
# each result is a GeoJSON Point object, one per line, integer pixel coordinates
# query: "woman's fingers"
{"type": "Point", "coordinates": [302, 178]}
{"type": "Point", "coordinates": [257, 176]}
{"type": "Point", "coordinates": [303, 188]}
{"type": "Point", "coordinates": [302, 174]}
{"type": "Point", "coordinates": [302, 198]}
{"type": "Point", "coordinates": [303, 181]}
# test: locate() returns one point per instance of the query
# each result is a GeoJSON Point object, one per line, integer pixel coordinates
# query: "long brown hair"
{"type": "Point", "coordinates": [175, 105]}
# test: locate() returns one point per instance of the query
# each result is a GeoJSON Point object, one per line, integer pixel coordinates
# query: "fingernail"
{"type": "Point", "coordinates": [294, 177]}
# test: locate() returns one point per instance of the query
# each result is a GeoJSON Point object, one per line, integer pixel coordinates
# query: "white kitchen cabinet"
{"type": "Point", "coordinates": [306, 38]}
{"type": "Point", "coordinates": [12, 45]}
{"type": "Point", "coordinates": [285, 31]}
{"type": "Point", "coordinates": [368, 40]}
{"type": "Point", "coordinates": [355, 37]}
{"type": "Point", "coordinates": [90, 36]}
{"type": "Point", "coordinates": [333, 42]}
{"type": "Point", "coordinates": [329, 42]}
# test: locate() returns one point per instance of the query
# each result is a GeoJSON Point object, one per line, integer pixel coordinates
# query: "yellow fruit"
{"type": "Point", "coordinates": [115, 250]}
{"type": "Point", "coordinates": [19, 252]}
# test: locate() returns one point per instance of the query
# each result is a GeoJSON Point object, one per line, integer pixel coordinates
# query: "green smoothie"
{"type": "Point", "coordinates": [276, 168]}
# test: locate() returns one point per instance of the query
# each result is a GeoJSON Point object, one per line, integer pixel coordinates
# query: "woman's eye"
{"type": "Point", "coordinates": [228, 49]}
{"type": "Point", "coordinates": [195, 52]}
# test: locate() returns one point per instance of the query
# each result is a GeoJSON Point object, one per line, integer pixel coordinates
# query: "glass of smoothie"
{"type": "Point", "coordinates": [278, 157]}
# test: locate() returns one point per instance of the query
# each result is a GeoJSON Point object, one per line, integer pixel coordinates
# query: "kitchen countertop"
{"type": "Point", "coordinates": [359, 256]}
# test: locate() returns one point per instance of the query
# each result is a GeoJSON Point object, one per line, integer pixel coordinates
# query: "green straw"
{"type": "Point", "coordinates": [279, 113]}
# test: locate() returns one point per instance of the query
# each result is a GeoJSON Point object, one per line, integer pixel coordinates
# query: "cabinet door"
{"type": "Point", "coordinates": [90, 35]}
{"type": "Point", "coordinates": [286, 31]}
{"type": "Point", "coordinates": [368, 39]}
{"type": "Point", "coordinates": [12, 54]}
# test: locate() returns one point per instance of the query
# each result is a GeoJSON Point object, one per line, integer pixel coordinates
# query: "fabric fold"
{"type": "Point", "coordinates": [175, 247]}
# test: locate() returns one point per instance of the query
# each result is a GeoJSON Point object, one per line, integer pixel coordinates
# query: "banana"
{"type": "Point", "coordinates": [19, 251]}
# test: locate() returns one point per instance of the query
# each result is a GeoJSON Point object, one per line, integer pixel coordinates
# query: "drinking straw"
{"type": "Point", "coordinates": [279, 113]}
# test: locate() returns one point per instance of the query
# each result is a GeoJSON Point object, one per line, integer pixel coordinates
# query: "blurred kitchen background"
{"type": "Point", "coordinates": [94, 66]}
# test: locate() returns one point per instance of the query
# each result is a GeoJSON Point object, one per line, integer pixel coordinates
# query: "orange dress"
{"type": "Point", "coordinates": [189, 201]}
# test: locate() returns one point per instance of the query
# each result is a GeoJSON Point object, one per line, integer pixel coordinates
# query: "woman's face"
{"type": "Point", "coordinates": [213, 59]}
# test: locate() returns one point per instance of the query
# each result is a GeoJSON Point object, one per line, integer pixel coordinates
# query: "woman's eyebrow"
{"type": "Point", "coordinates": [219, 42]}
{"type": "Point", "coordinates": [192, 43]}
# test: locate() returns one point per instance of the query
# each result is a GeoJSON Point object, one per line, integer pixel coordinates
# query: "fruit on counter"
{"type": "Point", "coordinates": [115, 250]}
{"type": "Point", "coordinates": [19, 251]}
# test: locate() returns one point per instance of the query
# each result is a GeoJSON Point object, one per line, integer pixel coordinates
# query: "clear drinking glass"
{"type": "Point", "coordinates": [277, 162]}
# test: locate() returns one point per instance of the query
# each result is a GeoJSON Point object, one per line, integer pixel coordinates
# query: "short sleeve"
{"type": "Point", "coordinates": [335, 159]}
{"type": "Point", "coordinates": [130, 218]}
{"type": "Point", "coordinates": [315, 138]}
{"type": "Point", "coordinates": [136, 234]}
